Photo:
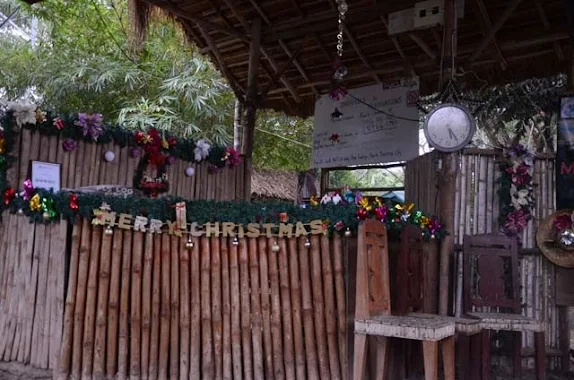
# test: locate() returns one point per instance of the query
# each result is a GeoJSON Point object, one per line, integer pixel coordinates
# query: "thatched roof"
{"type": "Point", "coordinates": [498, 41]}
{"type": "Point", "coordinates": [276, 184]}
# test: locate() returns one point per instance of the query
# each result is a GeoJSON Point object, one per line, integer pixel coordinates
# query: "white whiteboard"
{"type": "Point", "coordinates": [367, 136]}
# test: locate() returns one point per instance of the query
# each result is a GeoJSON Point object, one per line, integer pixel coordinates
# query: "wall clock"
{"type": "Point", "coordinates": [449, 127]}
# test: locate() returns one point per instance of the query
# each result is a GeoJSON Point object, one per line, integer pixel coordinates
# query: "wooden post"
{"type": "Point", "coordinates": [447, 182]}
{"type": "Point", "coordinates": [237, 124]}
{"type": "Point", "coordinates": [250, 113]}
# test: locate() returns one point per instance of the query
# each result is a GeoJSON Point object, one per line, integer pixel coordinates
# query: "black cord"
{"type": "Point", "coordinates": [378, 110]}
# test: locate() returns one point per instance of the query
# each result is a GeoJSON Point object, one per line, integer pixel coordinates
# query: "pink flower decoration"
{"type": "Point", "coordinates": [563, 222]}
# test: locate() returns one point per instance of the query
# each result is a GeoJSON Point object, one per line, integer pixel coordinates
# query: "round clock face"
{"type": "Point", "coordinates": [449, 127]}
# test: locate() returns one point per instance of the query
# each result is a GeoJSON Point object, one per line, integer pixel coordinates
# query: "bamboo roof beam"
{"type": "Point", "coordinates": [547, 26]}
{"type": "Point", "coordinates": [283, 45]}
{"type": "Point", "coordinates": [495, 28]}
{"type": "Point", "coordinates": [264, 51]}
{"type": "Point", "coordinates": [487, 25]}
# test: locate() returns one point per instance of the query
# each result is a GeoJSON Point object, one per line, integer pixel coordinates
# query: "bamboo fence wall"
{"type": "Point", "coordinates": [144, 306]}
{"type": "Point", "coordinates": [477, 211]}
{"type": "Point", "coordinates": [85, 166]}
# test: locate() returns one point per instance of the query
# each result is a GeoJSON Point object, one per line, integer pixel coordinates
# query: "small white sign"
{"type": "Point", "coordinates": [46, 175]}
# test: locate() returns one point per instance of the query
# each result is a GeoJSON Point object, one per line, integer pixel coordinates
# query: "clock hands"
{"type": "Point", "coordinates": [452, 135]}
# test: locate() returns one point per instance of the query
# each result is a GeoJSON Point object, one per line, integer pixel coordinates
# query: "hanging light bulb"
{"type": "Point", "coordinates": [275, 247]}
{"type": "Point", "coordinates": [336, 115]}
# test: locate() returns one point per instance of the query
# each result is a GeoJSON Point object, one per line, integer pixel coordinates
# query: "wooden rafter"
{"type": "Point", "coordinates": [423, 45]}
{"type": "Point", "coordinates": [273, 82]}
{"type": "Point", "coordinates": [283, 45]}
{"type": "Point", "coordinates": [487, 25]}
{"type": "Point", "coordinates": [547, 26]}
{"type": "Point", "coordinates": [495, 28]}
{"type": "Point", "coordinates": [408, 66]}
{"type": "Point", "coordinates": [268, 56]}
{"type": "Point", "coordinates": [205, 24]}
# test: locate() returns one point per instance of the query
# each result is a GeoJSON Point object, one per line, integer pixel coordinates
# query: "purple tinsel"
{"type": "Point", "coordinates": [91, 125]}
{"type": "Point", "coordinates": [69, 145]}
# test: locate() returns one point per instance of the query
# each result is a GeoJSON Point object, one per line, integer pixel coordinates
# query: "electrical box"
{"type": "Point", "coordinates": [428, 13]}
{"type": "Point", "coordinates": [401, 21]}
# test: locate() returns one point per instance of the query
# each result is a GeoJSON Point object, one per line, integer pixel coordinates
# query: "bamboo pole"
{"type": "Point", "coordinates": [68, 333]}
{"type": "Point", "coordinates": [341, 298]}
{"type": "Point", "coordinates": [295, 286]}
{"type": "Point", "coordinates": [256, 325]}
{"type": "Point", "coordinates": [155, 308]}
{"type": "Point", "coordinates": [319, 308]}
{"type": "Point", "coordinates": [195, 337]}
{"type": "Point", "coordinates": [276, 330]}
{"type": "Point", "coordinates": [244, 270]}
{"type": "Point", "coordinates": [146, 304]}
{"type": "Point", "coordinates": [113, 305]}
{"type": "Point", "coordinates": [330, 316]}
{"type": "Point", "coordinates": [33, 238]}
{"type": "Point", "coordinates": [216, 318]}
{"type": "Point", "coordinates": [24, 268]}
{"type": "Point", "coordinates": [135, 305]}
{"type": "Point", "coordinates": [45, 294]}
{"type": "Point", "coordinates": [307, 308]}
{"type": "Point", "coordinates": [42, 253]}
{"type": "Point", "coordinates": [60, 273]}
{"type": "Point", "coordinates": [102, 309]}
{"type": "Point", "coordinates": [265, 307]}
{"type": "Point", "coordinates": [236, 308]}
{"type": "Point", "coordinates": [175, 288]}
{"type": "Point", "coordinates": [124, 336]}
{"type": "Point", "coordinates": [207, 366]}
{"type": "Point", "coordinates": [226, 310]}
{"type": "Point", "coordinates": [165, 314]}
{"type": "Point", "coordinates": [184, 276]}
{"type": "Point", "coordinates": [286, 310]}
{"type": "Point", "coordinates": [91, 297]}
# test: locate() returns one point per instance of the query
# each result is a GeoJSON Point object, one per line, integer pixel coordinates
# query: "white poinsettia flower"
{"type": "Point", "coordinates": [520, 198]}
{"type": "Point", "coordinates": [326, 199]}
{"type": "Point", "coordinates": [201, 150]}
{"type": "Point", "coordinates": [24, 112]}
{"type": "Point", "coordinates": [336, 199]}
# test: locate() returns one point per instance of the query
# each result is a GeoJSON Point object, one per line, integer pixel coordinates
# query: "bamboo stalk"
{"type": "Point", "coordinates": [226, 310]}
{"type": "Point", "coordinates": [295, 286]}
{"type": "Point", "coordinates": [276, 330]}
{"type": "Point", "coordinates": [175, 288]}
{"type": "Point", "coordinates": [341, 304]}
{"type": "Point", "coordinates": [330, 314]}
{"type": "Point", "coordinates": [24, 156]}
{"type": "Point", "coordinates": [102, 309]}
{"type": "Point", "coordinates": [286, 310]}
{"type": "Point", "coordinates": [195, 337]}
{"type": "Point", "coordinates": [124, 341]}
{"type": "Point", "coordinates": [32, 280]}
{"type": "Point", "coordinates": [68, 333]}
{"type": "Point", "coordinates": [113, 305]}
{"type": "Point", "coordinates": [245, 308]}
{"type": "Point", "coordinates": [135, 305]}
{"type": "Point", "coordinates": [184, 276]}
{"type": "Point", "coordinates": [265, 308]}
{"type": "Point", "coordinates": [307, 304]}
{"type": "Point", "coordinates": [84, 255]}
{"type": "Point", "coordinates": [216, 317]}
{"type": "Point", "coordinates": [256, 325]}
{"type": "Point", "coordinates": [11, 352]}
{"type": "Point", "coordinates": [146, 304]}
{"type": "Point", "coordinates": [165, 314]}
{"type": "Point", "coordinates": [207, 366]}
{"type": "Point", "coordinates": [91, 297]}
{"type": "Point", "coordinates": [155, 308]}
{"type": "Point", "coordinates": [42, 252]}
{"type": "Point", "coordinates": [25, 243]}
{"type": "Point", "coordinates": [45, 291]}
{"type": "Point", "coordinates": [60, 273]}
{"type": "Point", "coordinates": [319, 307]}
{"type": "Point", "coordinates": [236, 308]}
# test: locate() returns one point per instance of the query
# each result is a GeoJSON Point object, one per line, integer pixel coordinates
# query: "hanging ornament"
{"type": "Point", "coordinates": [69, 145]}
{"type": "Point", "coordinates": [58, 124]}
{"type": "Point", "coordinates": [189, 171]}
{"type": "Point", "coordinates": [334, 138]}
{"type": "Point", "coordinates": [35, 203]}
{"type": "Point", "coordinates": [8, 195]}
{"type": "Point", "coordinates": [348, 232]}
{"type": "Point", "coordinates": [108, 230]}
{"type": "Point", "coordinates": [307, 243]}
{"type": "Point", "coordinates": [135, 152]}
{"type": "Point", "coordinates": [336, 115]}
{"type": "Point", "coordinates": [189, 244]}
{"type": "Point", "coordinates": [283, 217]}
{"type": "Point", "coordinates": [28, 190]}
{"type": "Point", "coordinates": [275, 247]}
{"type": "Point", "coordinates": [361, 214]}
{"type": "Point", "coordinates": [181, 216]}
{"type": "Point", "coordinates": [339, 225]}
{"type": "Point", "coordinates": [235, 241]}
{"type": "Point", "coordinates": [381, 213]}
{"type": "Point", "coordinates": [49, 208]}
{"type": "Point", "coordinates": [73, 202]}
{"type": "Point", "coordinates": [314, 201]}
{"type": "Point", "coordinates": [109, 156]}
{"type": "Point", "coordinates": [337, 93]}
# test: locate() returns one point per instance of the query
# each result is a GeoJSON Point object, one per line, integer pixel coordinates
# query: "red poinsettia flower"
{"type": "Point", "coordinates": [172, 141]}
